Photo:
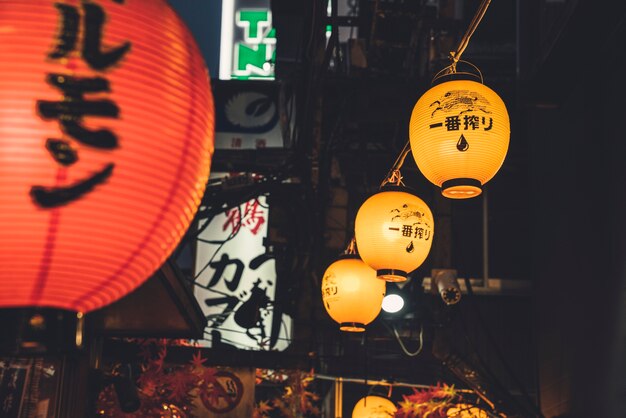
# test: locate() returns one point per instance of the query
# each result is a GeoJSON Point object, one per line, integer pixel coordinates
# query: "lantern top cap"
{"type": "Point", "coordinates": [451, 73]}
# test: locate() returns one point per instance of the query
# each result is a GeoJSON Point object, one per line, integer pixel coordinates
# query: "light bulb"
{"type": "Point", "coordinates": [392, 303]}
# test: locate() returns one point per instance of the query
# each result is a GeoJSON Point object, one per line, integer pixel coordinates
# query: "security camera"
{"type": "Point", "coordinates": [444, 280]}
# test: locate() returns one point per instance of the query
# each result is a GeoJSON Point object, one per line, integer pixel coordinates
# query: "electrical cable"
{"type": "Point", "coordinates": [407, 352]}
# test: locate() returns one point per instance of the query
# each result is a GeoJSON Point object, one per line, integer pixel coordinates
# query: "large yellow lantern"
{"type": "Point", "coordinates": [374, 407]}
{"type": "Point", "coordinates": [394, 232]}
{"type": "Point", "coordinates": [351, 293]}
{"type": "Point", "coordinates": [459, 133]}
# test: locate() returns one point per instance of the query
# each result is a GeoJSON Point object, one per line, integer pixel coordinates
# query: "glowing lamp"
{"type": "Point", "coordinates": [106, 137]}
{"type": "Point", "coordinates": [459, 134]}
{"type": "Point", "coordinates": [351, 293]}
{"type": "Point", "coordinates": [393, 303]}
{"type": "Point", "coordinates": [466, 411]}
{"type": "Point", "coordinates": [374, 407]}
{"type": "Point", "coordinates": [394, 232]}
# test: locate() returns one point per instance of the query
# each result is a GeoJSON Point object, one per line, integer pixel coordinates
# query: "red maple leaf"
{"type": "Point", "coordinates": [208, 375]}
{"type": "Point", "coordinates": [179, 385]}
{"type": "Point", "coordinates": [197, 360]}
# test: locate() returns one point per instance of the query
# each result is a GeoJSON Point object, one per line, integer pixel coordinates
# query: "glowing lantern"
{"type": "Point", "coordinates": [459, 134]}
{"type": "Point", "coordinates": [106, 136]}
{"type": "Point", "coordinates": [466, 411]}
{"type": "Point", "coordinates": [351, 293]}
{"type": "Point", "coordinates": [374, 407]}
{"type": "Point", "coordinates": [394, 232]}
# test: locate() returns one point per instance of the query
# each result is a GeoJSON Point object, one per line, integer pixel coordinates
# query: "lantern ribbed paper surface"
{"type": "Point", "coordinates": [374, 407]}
{"type": "Point", "coordinates": [394, 232]}
{"type": "Point", "coordinates": [106, 135]}
{"type": "Point", "coordinates": [459, 133]}
{"type": "Point", "coordinates": [351, 293]}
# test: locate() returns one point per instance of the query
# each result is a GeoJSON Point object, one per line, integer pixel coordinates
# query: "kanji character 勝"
{"type": "Point", "coordinates": [252, 218]}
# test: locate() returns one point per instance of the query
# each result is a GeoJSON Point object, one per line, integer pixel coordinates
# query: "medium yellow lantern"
{"type": "Point", "coordinates": [394, 232]}
{"type": "Point", "coordinates": [459, 133]}
{"type": "Point", "coordinates": [351, 293]}
{"type": "Point", "coordinates": [374, 407]}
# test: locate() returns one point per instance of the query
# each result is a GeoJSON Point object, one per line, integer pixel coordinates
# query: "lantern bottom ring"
{"type": "Point", "coordinates": [352, 326]}
{"type": "Point", "coordinates": [461, 188]}
{"type": "Point", "coordinates": [392, 275]}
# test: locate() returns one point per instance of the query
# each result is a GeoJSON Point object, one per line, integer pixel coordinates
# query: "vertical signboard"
{"type": "Point", "coordinates": [248, 41]}
{"type": "Point", "coordinates": [236, 281]}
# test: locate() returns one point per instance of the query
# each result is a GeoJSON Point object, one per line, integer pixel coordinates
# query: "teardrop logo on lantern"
{"type": "Point", "coordinates": [462, 145]}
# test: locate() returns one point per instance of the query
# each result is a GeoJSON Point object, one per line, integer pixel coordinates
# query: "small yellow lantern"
{"type": "Point", "coordinates": [459, 133]}
{"type": "Point", "coordinates": [394, 232]}
{"type": "Point", "coordinates": [374, 407]}
{"type": "Point", "coordinates": [351, 293]}
{"type": "Point", "coordinates": [466, 411]}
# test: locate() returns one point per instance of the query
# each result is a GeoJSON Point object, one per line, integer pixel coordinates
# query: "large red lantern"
{"type": "Point", "coordinates": [106, 136]}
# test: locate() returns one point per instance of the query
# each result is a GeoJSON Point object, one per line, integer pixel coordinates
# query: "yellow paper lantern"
{"type": "Point", "coordinates": [351, 293]}
{"type": "Point", "coordinates": [374, 407]}
{"type": "Point", "coordinates": [466, 411]}
{"type": "Point", "coordinates": [394, 232]}
{"type": "Point", "coordinates": [459, 134]}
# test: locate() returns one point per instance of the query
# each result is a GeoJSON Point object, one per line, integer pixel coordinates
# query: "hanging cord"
{"type": "Point", "coordinates": [407, 352]}
{"type": "Point", "coordinates": [394, 176]}
{"type": "Point", "coordinates": [455, 56]}
{"type": "Point", "coordinates": [351, 248]}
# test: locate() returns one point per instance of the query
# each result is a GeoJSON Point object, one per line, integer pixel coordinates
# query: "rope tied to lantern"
{"type": "Point", "coordinates": [394, 176]}
{"type": "Point", "coordinates": [351, 248]}
{"type": "Point", "coordinates": [455, 56]}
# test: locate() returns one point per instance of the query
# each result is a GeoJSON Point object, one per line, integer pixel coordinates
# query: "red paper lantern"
{"type": "Point", "coordinates": [106, 137]}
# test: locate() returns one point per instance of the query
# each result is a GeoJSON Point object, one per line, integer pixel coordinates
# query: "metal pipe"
{"type": "Point", "coordinates": [338, 397]}
{"type": "Point", "coordinates": [485, 237]}
{"type": "Point", "coordinates": [378, 383]}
